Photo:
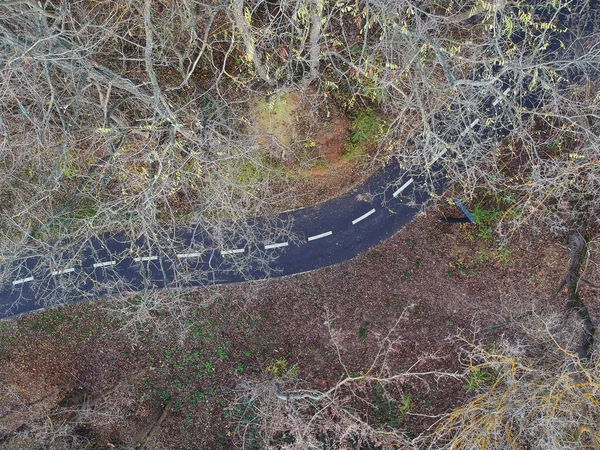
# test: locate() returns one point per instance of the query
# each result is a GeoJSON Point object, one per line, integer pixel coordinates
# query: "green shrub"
{"type": "Point", "coordinates": [366, 129]}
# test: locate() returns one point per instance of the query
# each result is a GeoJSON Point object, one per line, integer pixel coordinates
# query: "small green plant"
{"type": "Point", "coordinates": [164, 394]}
{"type": "Point", "coordinates": [460, 267]}
{"type": "Point", "coordinates": [222, 353]}
{"type": "Point", "coordinates": [250, 171]}
{"type": "Point", "coordinates": [71, 172]}
{"type": "Point", "coordinates": [496, 209]}
{"type": "Point", "coordinates": [49, 322]}
{"type": "Point", "coordinates": [319, 163]}
{"type": "Point", "coordinates": [384, 408]}
{"type": "Point", "coordinates": [281, 368]}
{"type": "Point", "coordinates": [502, 255]}
{"type": "Point", "coordinates": [367, 128]}
{"type": "Point", "coordinates": [475, 379]}
{"type": "Point", "coordinates": [485, 220]}
{"type": "Point", "coordinates": [362, 331]}
{"type": "Point", "coordinates": [85, 209]}
{"type": "Point", "coordinates": [388, 411]}
{"type": "Point", "coordinates": [197, 397]}
{"type": "Point", "coordinates": [406, 405]}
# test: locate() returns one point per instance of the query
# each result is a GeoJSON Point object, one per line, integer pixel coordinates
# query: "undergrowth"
{"type": "Point", "coordinates": [366, 129]}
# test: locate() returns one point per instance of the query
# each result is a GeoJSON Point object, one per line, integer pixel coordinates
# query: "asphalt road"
{"type": "Point", "coordinates": [321, 235]}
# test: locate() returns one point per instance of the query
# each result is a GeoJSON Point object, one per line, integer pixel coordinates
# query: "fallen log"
{"type": "Point", "coordinates": [577, 250]}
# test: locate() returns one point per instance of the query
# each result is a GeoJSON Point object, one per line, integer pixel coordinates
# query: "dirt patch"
{"type": "Point", "coordinates": [308, 141]}
{"type": "Point", "coordinates": [330, 144]}
{"type": "Point", "coordinates": [331, 175]}
{"type": "Point", "coordinates": [275, 120]}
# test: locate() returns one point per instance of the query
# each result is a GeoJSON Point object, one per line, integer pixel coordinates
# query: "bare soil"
{"type": "Point", "coordinates": [309, 141]}
{"type": "Point", "coordinates": [442, 277]}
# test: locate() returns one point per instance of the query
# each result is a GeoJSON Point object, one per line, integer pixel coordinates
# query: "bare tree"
{"type": "Point", "coordinates": [129, 118]}
{"type": "Point", "coordinates": [100, 148]}
{"type": "Point", "coordinates": [283, 413]}
{"type": "Point", "coordinates": [504, 93]}
{"type": "Point", "coordinates": [535, 392]}
{"type": "Point", "coordinates": [538, 386]}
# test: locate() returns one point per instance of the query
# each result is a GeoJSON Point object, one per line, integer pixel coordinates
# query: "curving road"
{"type": "Point", "coordinates": [324, 234]}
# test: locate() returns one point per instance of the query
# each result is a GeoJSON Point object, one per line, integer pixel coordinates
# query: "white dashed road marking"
{"type": "Point", "coordinates": [22, 280]}
{"type": "Point", "coordinates": [319, 236]}
{"type": "Point", "coordinates": [146, 258]}
{"type": "Point", "coordinates": [60, 272]}
{"type": "Point", "coordinates": [364, 216]}
{"type": "Point", "coordinates": [404, 186]}
{"type": "Point", "coordinates": [106, 263]}
{"type": "Point", "coordinates": [281, 244]}
{"type": "Point", "coordinates": [189, 255]}
{"type": "Point", "coordinates": [475, 122]}
{"type": "Point", "coordinates": [231, 252]}
{"type": "Point", "coordinates": [442, 153]}
{"type": "Point", "coordinates": [499, 99]}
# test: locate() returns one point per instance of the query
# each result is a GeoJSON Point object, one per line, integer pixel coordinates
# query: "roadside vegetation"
{"type": "Point", "coordinates": [360, 354]}
{"type": "Point", "coordinates": [145, 116]}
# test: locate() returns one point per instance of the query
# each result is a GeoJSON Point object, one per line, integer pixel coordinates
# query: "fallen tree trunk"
{"type": "Point", "coordinates": [577, 249]}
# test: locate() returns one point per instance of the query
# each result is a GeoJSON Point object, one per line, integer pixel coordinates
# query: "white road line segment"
{"type": "Point", "coordinates": [22, 280]}
{"type": "Point", "coordinates": [499, 99]}
{"type": "Point", "coordinates": [234, 251]}
{"type": "Point", "coordinates": [475, 122]}
{"type": "Point", "coordinates": [146, 258]}
{"type": "Point", "coordinates": [281, 244]}
{"type": "Point", "coordinates": [189, 255]}
{"type": "Point", "coordinates": [319, 236]}
{"type": "Point", "coordinates": [442, 153]}
{"type": "Point", "coordinates": [104, 264]}
{"type": "Point", "coordinates": [364, 216]}
{"type": "Point", "coordinates": [404, 186]}
{"type": "Point", "coordinates": [61, 272]}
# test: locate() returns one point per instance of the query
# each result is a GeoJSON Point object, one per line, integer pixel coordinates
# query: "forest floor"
{"type": "Point", "coordinates": [439, 280]}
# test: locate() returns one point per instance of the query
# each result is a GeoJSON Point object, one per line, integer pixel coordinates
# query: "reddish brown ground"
{"type": "Point", "coordinates": [335, 176]}
{"type": "Point", "coordinates": [444, 278]}
{"type": "Point", "coordinates": [308, 139]}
